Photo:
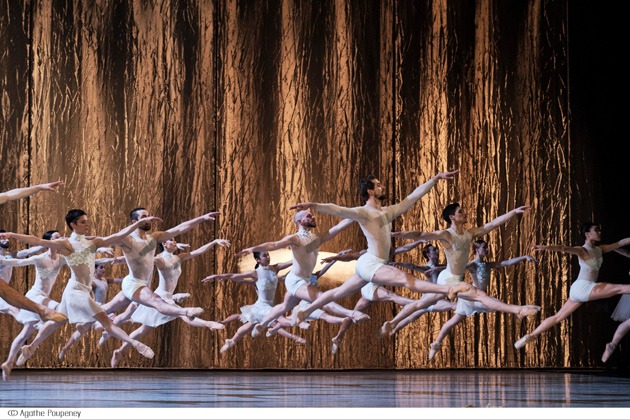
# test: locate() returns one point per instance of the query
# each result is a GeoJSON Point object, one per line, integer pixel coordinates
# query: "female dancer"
{"type": "Point", "coordinates": [585, 288]}
{"type": "Point", "coordinates": [621, 314]}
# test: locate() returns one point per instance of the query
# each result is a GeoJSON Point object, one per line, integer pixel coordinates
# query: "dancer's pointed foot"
{"type": "Point", "coordinates": [7, 367]}
{"type": "Point", "coordinates": [52, 315]}
{"type": "Point", "coordinates": [386, 329]}
{"type": "Point", "coordinates": [300, 317]}
{"type": "Point", "coordinates": [304, 325]}
{"type": "Point", "coordinates": [523, 341]}
{"type": "Point", "coordinates": [528, 310]}
{"type": "Point", "coordinates": [25, 353]}
{"type": "Point", "coordinates": [178, 297]}
{"type": "Point", "coordinates": [300, 340]}
{"type": "Point", "coordinates": [258, 328]}
{"type": "Point", "coordinates": [62, 353]}
{"type": "Point", "coordinates": [336, 343]}
{"type": "Point", "coordinates": [213, 325]}
{"type": "Point", "coordinates": [229, 343]}
{"type": "Point", "coordinates": [143, 349]}
{"type": "Point", "coordinates": [116, 358]}
{"type": "Point", "coordinates": [433, 349]}
{"type": "Point", "coordinates": [610, 349]}
{"type": "Point", "coordinates": [193, 313]}
{"type": "Point", "coordinates": [103, 339]}
{"type": "Point", "coordinates": [272, 331]}
{"type": "Point", "coordinates": [359, 317]}
{"type": "Point", "coordinates": [457, 288]}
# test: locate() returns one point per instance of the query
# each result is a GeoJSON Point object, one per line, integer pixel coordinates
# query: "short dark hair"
{"type": "Point", "coordinates": [449, 211]}
{"type": "Point", "coordinates": [478, 243]}
{"type": "Point", "coordinates": [366, 184]}
{"type": "Point", "coordinates": [425, 251]}
{"type": "Point", "coordinates": [586, 227]}
{"type": "Point", "coordinates": [48, 234]}
{"type": "Point", "coordinates": [73, 215]}
{"type": "Point", "coordinates": [257, 257]}
{"type": "Point", "coordinates": [133, 214]}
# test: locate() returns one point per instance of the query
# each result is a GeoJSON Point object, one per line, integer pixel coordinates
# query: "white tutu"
{"type": "Point", "coordinates": [622, 311]}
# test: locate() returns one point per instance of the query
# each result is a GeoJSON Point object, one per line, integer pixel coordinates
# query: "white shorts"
{"type": "Point", "coordinates": [293, 282]}
{"type": "Point", "coordinates": [131, 284]}
{"type": "Point", "coordinates": [581, 289]}
{"type": "Point", "coordinates": [368, 291]}
{"type": "Point", "coordinates": [447, 278]}
{"type": "Point", "coordinates": [622, 311]}
{"type": "Point", "coordinates": [367, 264]}
{"type": "Point", "coordinates": [468, 308]}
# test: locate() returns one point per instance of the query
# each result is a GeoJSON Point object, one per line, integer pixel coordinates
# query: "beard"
{"type": "Point", "coordinates": [146, 227]}
{"type": "Point", "coordinates": [382, 197]}
{"type": "Point", "coordinates": [310, 224]}
{"type": "Point", "coordinates": [4, 244]}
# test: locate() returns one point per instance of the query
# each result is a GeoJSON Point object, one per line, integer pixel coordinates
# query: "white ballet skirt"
{"type": "Point", "coordinates": [150, 316]}
{"type": "Point", "coordinates": [266, 288]}
{"type": "Point", "coordinates": [39, 297]}
{"type": "Point", "coordinates": [622, 311]}
{"type": "Point", "coordinates": [46, 272]}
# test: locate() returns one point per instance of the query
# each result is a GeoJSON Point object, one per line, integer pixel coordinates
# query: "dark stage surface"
{"type": "Point", "coordinates": [174, 390]}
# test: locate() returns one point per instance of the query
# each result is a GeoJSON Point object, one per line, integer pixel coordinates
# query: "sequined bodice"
{"type": "Point", "coordinates": [169, 275]}
{"type": "Point", "coordinates": [266, 284]}
{"type": "Point", "coordinates": [83, 256]}
{"type": "Point", "coordinates": [457, 254]}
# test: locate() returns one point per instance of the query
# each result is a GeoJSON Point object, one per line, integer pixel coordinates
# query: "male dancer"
{"type": "Point", "coordinates": [376, 223]}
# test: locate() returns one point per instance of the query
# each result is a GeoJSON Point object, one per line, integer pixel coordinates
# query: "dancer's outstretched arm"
{"type": "Point", "coordinates": [345, 255]}
{"type": "Point", "coordinates": [248, 277]}
{"type": "Point", "coordinates": [116, 238]}
{"type": "Point", "coordinates": [512, 261]}
{"type": "Point", "coordinates": [271, 246]}
{"type": "Point", "coordinates": [163, 236]}
{"type": "Point", "coordinates": [623, 251]}
{"type": "Point", "coordinates": [614, 246]}
{"type": "Point", "coordinates": [580, 251]}
{"type": "Point", "coordinates": [19, 193]}
{"type": "Point", "coordinates": [501, 220]}
{"type": "Point", "coordinates": [335, 230]}
{"type": "Point", "coordinates": [202, 249]}
{"type": "Point", "coordinates": [57, 244]}
{"type": "Point", "coordinates": [408, 247]}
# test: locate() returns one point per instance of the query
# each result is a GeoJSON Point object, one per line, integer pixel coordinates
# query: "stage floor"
{"type": "Point", "coordinates": [386, 388]}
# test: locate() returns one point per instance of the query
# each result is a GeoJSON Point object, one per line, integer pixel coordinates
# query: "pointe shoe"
{"type": "Point", "coordinates": [25, 354]}
{"type": "Point", "coordinates": [62, 354]}
{"type": "Point", "coordinates": [304, 325]}
{"type": "Point", "coordinates": [385, 330]}
{"type": "Point", "coordinates": [193, 313]}
{"type": "Point", "coordinates": [300, 317]}
{"type": "Point", "coordinates": [178, 297]}
{"type": "Point", "coordinates": [610, 349]}
{"type": "Point", "coordinates": [116, 358]}
{"type": "Point", "coordinates": [103, 339]}
{"type": "Point", "coordinates": [523, 341]}
{"type": "Point", "coordinates": [453, 291]}
{"type": "Point", "coordinates": [433, 349]}
{"type": "Point", "coordinates": [213, 325]}
{"type": "Point", "coordinates": [300, 340]}
{"type": "Point", "coordinates": [359, 317]}
{"type": "Point", "coordinates": [528, 310]}
{"type": "Point", "coordinates": [258, 328]}
{"type": "Point", "coordinates": [336, 343]}
{"type": "Point", "coordinates": [229, 343]}
{"type": "Point", "coordinates": [271, 332]}
{"type": "Point", "coordinates": [6, 370]}
{"type": "Point", "coordinates": [144, 350]}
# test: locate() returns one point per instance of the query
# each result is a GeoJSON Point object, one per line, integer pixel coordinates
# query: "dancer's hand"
{"type": "Point", "coordinates": [537, 248]}
{"type": "Point", "coordinates": [303, 206]}
{"type": "Point", "coordinates": [522, 209]}
{"type": "Point", "coordinates": [446, 175]}
{"type": "Point", "coordinates": [214, 277]}
{"type": "Point", "coordinates": [211, 215]}
{"type": "Point", "coordinates": [244, 252]}
{"type": "Point", "coordinates": [222, 242]}
{"type": "Point", "coordinates": [107, 251]}
{"type": "Point", "coordinates": [52, 186]}
{"type": "Point", "coordinates": [181, 246]}
{"type": "Point", "coordinates": [529, 258]}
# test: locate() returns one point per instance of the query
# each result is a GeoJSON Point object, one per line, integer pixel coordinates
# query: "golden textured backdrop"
{"type": "Point", "coordinates": [249, 107]}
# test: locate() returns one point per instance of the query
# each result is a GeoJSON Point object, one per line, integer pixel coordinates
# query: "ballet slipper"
{"type": "Point", "coordinates": [193, 313]}
{"type": "Point", "coordinates": [213, 325]}
{"type": "Point", "coordinates": [359, 317]}
{"type": "Point", "coordinates": [25, 353]}
{"type": "Point", "coordinates": [271, 332]}
{"type": "Point", "coordinates": [7, 367]}
{"type": "Point", "coordinates": [528, 310]}
{"type": "Point", "coordinates": [300, 340]}
{"type": "Point", "coordinates": [336, 343]}
{"type": "Point", "coordinates": [258, 328]}
{"type": "Point", "coordinates": [386, 329]}
{"type": "Point", "coordinates": [143, 349]}
{"type": "Point", "coordinates": [178, 297]}
{"type": "Point", "coordinates": [523, 341]}
{"type": "Point", "coordinates": [103, 339]}
{"type": "Point", "coordinates": [62, 353]}
{"type": "Point", "coordinates": [304, 325]}
{"type": "Point", "coordinates": [52, 315]}
{"type": "Point", "coordinates": [116, 358]}
{"type": "Point", "coordinates": [433, 349]}
{"type": "Point", "coordinates": [610, 349]}
{"type": "Point", "coordinates": [300, 317]}
{"type": "Point", "coordinates": [454, 290]}
{"type": "Point", "coordinates": [229, 343]}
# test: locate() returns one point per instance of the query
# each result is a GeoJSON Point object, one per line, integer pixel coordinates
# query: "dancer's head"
{"type": "Point", "coordinates": [262, 258]}
{"type": "Point", "coordinates": [169, 246]}
{"type": "Point", "coordinates": [4, 243]}
{"type": "Point", "coordinates": [371, 186]}
{"type": "Point", "coordinates": [99, 270]}
{"type": "Point", "coordinates": [480, 247]}
{"type": "Point", "coordinates": [450, 212]}
{"type": "Point", "coordinates": [51, 235]}
{"type": "Point", "coordinates": [430, 252]}
{"type": "Point", "coordinates": [140, 213]}
{"type": "Point", "coordinates": [77, 221]}
{"type": "Point", "coordinates": [304, 219]}
{"type": "Point", "coordinates": [591, 231]}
